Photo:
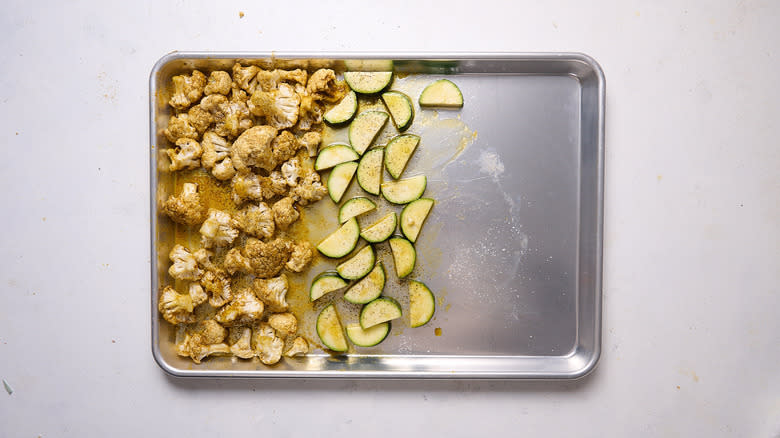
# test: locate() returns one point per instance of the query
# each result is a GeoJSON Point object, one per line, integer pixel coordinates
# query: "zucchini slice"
{"type": "Point", "coordinates": [344, 111]}
{"type": "Point", "coordinates": [342, 241]}
{"type": "Point", "coordinates": [380, 310]}
{"type": "Point", "coordinates": [413, 217]}
{"type": "Point", "coordinates": [367, 337]}
{"type": "Point", "coordinates": [369, 173]}
{"type": "Point", "coordinates": [368, 64]}
{"type": "Point", "coordinates": [339, 179]}
{"type": "Point", "coordinates": [369, 288]}
{"type": "Point", "coordinates": [335, 154]}
{"type": "Point", "coordinates": [405, 190]}
{"type": "Point", "coordinates": [329, 329]}
{"type": "Point", "coordinates": [404, 256]}
{"type": "Point", "coordinates": [368, 82]}
{"type": "Point", "coordinates": [400, 108]}
{"type": "Point", "coordinates": [382, 229]}
{"type": "Point", "coordinates": [442, 93]}
{"type": "Point", "coordinates": [325, 283]}
{"type": "Point", "coordinates": [398, 151]}
{"type": "Point", "coordinates": [355, 207]}
{"type": "Point", "coordinates": [364, 129]}
{"type": "Point", "coordinates": [421, 303]}
{"type": "Point", "coordinates": [359, 265]}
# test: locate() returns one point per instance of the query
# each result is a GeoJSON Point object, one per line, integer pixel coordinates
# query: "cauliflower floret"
{"type": "Point", "coordinates": [309, 190]}
{"type": "Point", "coordinates": [267, 259]}
{"type": "Point", "coordinates": [199, 118]}
{"type": "Point", "coordinates": [291, 171]}
{"type": "Point", "coordinates": [186, 154]}
{"type": "Point", "coordinates": [198, 295]}
{"type": "Point", "coordinates": [241, 342]}
{"type": "Point", "coordinates": [231, 117]}
{"type": "Point", "coordinates": [184, 266]}
{"type": "Point", "coordinates": [285, 213]}
{"type": "Point", "coordinates": [219, 229]}
{"type": "Point", "coordinates": [245, 308]}
{"type": "Point", "coordinates": [224, 170]}
{"type": "Point", "coordinates": [239, 95]}
{"type": "Point", "coordinates": [267, 344]}
{"type": "Point", "coordinates": [273, 292]}
{"type": "Point", "coordinates": [277, 183]}
{"type": "Point", "coordinates": [257, 220]}
{"type": "Point", "coordinates": [216, 156]}
{"type": "Point", "coordinates": [215, 280]}
{"type": "Point", "coordinates": [285, 146]}
{"type": "Point", "coordinates": [269, 80]}
{"type": "Point", "coordinates": [302, 253]}
{"type": "Point", "coordinates": [284, 323]}
{"type": "Point", "coordinates": [177, 308]}
{"type": "Point", "coordinates": [310, 113]}
{"type": "Point", "coordinates": [246, 187]}
{"type": "Point", "coordinates": [279, 107]}
{"type": "Point", "coordinates": [244, 77]}
{"type": "Point", "coordinates": [180, 127]}
{"type": "Point", "coordinates": [311, 140]}
{"type": "Point", "coordinates": [187, 89]}
{"type": "Point", "coordinates": [236, 262]}
{"type": "Point", "coordinates": [219, 83]}
{"type": "Point", "coordinates": [323, 86]}
{"type": "Point", "coordinates": [203, 339]}
{"type": "Point", "coordinates": [186, 208]}
{"type": "Point", "coordinates": [299, 346]}
{"type": "Point", "coordinates": [253, 148]}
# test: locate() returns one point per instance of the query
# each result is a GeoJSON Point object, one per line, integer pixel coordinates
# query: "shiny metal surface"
{"type": "Point", "coordinates": [514, 243]}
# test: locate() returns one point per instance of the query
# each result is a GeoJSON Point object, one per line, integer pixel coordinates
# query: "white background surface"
{"type": "Point", "coordinates": [691, 342]}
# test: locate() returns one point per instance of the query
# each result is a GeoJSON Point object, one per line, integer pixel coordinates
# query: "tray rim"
{"type": "Point", "coordinates": [592, 357]}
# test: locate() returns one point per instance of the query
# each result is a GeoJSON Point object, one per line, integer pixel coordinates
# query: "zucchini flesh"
{"type": "Point", "coordinates": [442, 93]}
{"type": "Point", "coordinates": [413, 217]}
{"type": "Point", "coordinates": [367, 337]}
{"type": "Point", "coordinates": [422, 304]}
{"type": "Point", "coordinates": [359, 265]}
{"type": "Point", "coordinates": [339, 179]}
{"type": "Point", "coordinates": [368, 64]}
{"type": "Point", "coordinates": [329, 329]}
{"type": "Point", "coordinates": [355, 207]}
{"type": "Point", "coordinates": [333, 155]}
{"type": "Point", "coordinates": [380, 310]}
{"type": "Point", "coordinates": [404, 256]}
{"type": "Point", "coordinates": [369, 288]}
{"type": "Point", "coordinates": [381, 230]}
{"type": "Point", "coordinates": [368, 82]}
{"type": "Point", "coordinates": [344, 111]}
{"type": "Point", "coordinates": [369, 173]}
{"type": "Point", "coordinates": [400, 108]}
{"type": "Point", "coordinates": [325, 283]}
{"type": "Point", "coordinates": [398, 152]}
{"type": "Point", "coordinates": [405, 190]}
{"type": "Point", "coordinates": [364, 129]}
{"type": "Point", "coordinates": [342, 241]}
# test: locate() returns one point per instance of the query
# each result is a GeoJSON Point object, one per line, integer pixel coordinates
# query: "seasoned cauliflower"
{"type": "Point", "coordinates": [273, 292]}
{"type": "Point", "coordinates": [236, 262]}
{"type": "Point", "coordinates": [309, 113]}
{"type": "Point", "coordinates": [311, 141]}
{"type": "Point", "coordinates": [276, 183]}
{"type": "Point", "coordinates": [299, 346]}
{"type": "Point", "coordinates": [216, 156]}
{"type": "Point", "coordinates": [323, 86]}
{"type": "Point", "coordinates": [302, 253]}
{"type": "Point", "coordinates": [231, 117]}
{"type": "Point", "coordinates": [285, 212]}
{"type": "Point", "coordinates": [186, 208]}
{"type": "Point", "coordinates": [177, 308]}
{"type": "Point", "coordinates": [309, 190]}
{"type": "Point", "coordinates": [215, 280]}
{"type": "Point", "coordinates": [186, 154]}
{"type": "Point", "coordinates": [241, 342]}
{"type": "Point", "coordinates": [267, 259]}
{"type": "Point", "coordinates": [244, 77]}
{"type": "Point", "coordinates": [187, 89]}
{"type": "Point", "coordinates": [253, 148]}
{"type": "Point", "coordinates": [284, 323]}
{"type": "Point", "coordinates": [279, 107]}
{"type": "Point", "coordinates": [268, 345]}
{"type": "Point", "coordinates": [180, 127]}
{"type": "Point", "coordinates": [269, 80]}
{"type": "Point", "coordinates": [219, 229]}
{"type": "Point", "coordinates": [184, 266]}
{"type": "Point", "coordinates": [201, 340]}
{"type": "Point", "coordinates": [199, 118]}
{"type": "Point", "coordinates": [243, 309]}
{"type": "Point", "coordinates": [285, 145]}
{"type": "Point", "coordinates": [247, 187]}
{"type": "Point", "coordinates": [256, 220]}
{"type": "Point", "coordinates": [219, 82]}
{"type": "Point", "coordinates": [291, 171]}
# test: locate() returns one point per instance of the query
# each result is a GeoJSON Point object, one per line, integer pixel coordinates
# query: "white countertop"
{"type": "Point", "coordinates": [691, 341]}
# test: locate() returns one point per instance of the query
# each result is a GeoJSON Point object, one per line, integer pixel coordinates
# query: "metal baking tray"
{"type": "Point", "coordinates": [513, 248]}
